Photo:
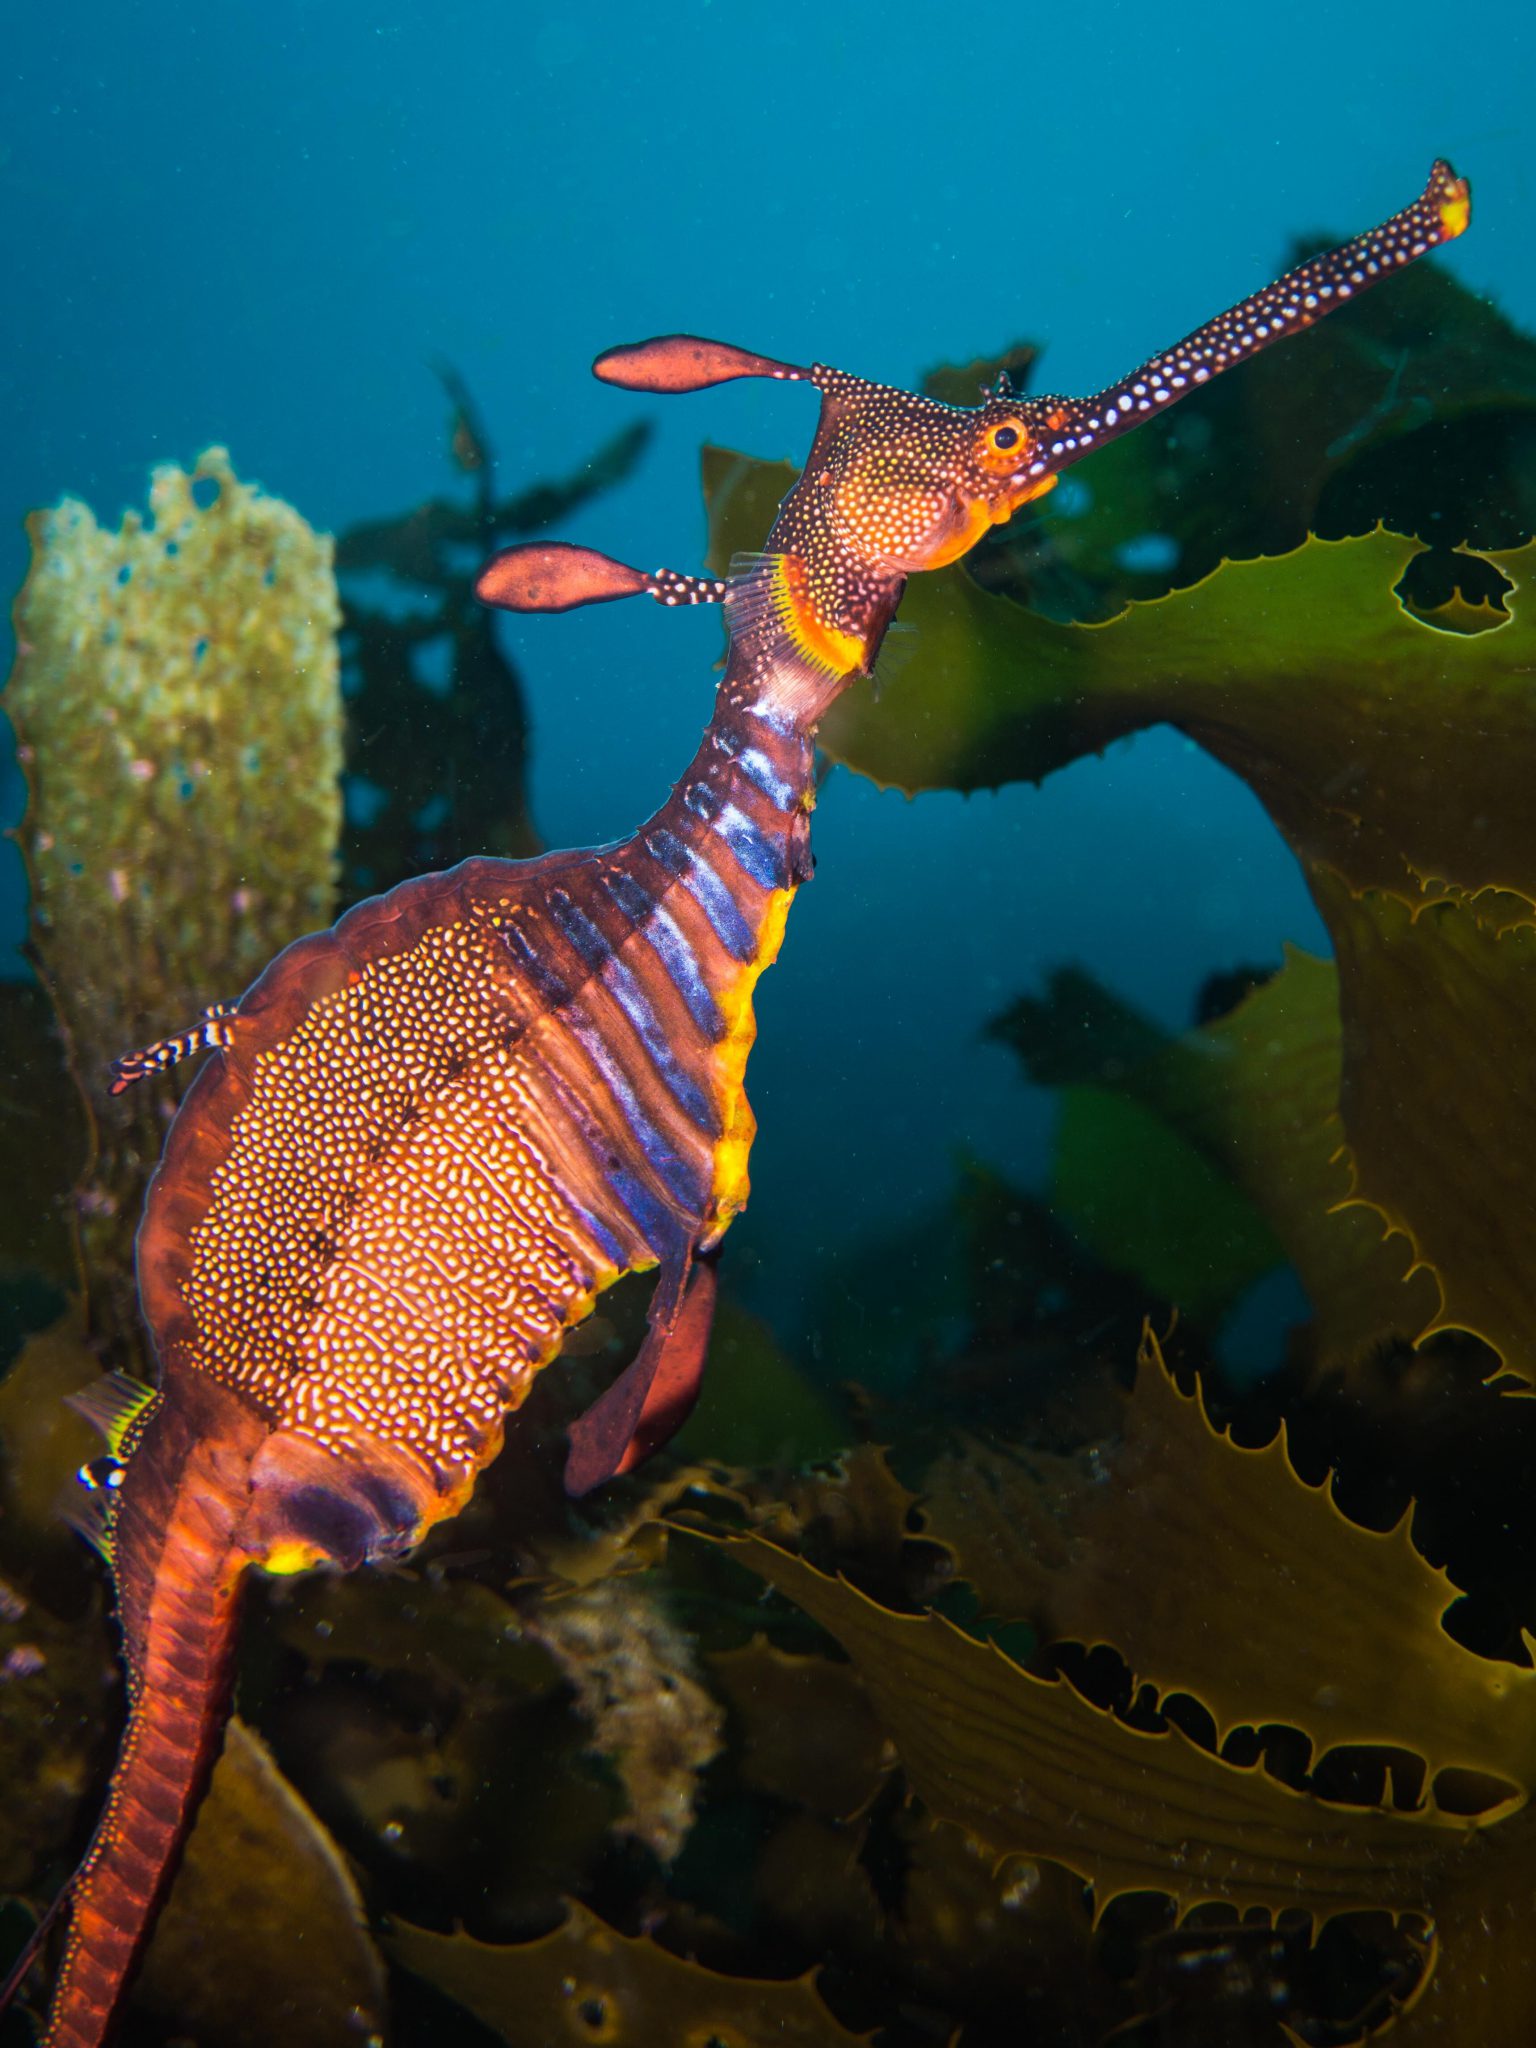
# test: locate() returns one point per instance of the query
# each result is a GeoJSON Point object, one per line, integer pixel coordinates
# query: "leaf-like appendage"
{"type": "Point", "coordinates": [1031, 1768]}
{"type": "Point", "coordinates": [587, 1982]}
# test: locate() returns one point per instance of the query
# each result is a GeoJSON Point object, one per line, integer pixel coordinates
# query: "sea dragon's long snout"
{"type": "Point", "coordinates": [896, 483]}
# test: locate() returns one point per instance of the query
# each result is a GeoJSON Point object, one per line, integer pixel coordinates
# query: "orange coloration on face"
{"type": "Point", "coordinates": [1026, 494]}
{"type": "Point", "coordinates": [979, 515]}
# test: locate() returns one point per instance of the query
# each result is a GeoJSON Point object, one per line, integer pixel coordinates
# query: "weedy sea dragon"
{"type": "Point", "coordinates": [427, 1139]}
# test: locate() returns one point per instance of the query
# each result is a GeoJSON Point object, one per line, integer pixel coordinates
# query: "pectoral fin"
{"type": "Point", "coordinates": [653, 1397]}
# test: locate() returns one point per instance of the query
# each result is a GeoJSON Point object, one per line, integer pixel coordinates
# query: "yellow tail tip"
{"type": "Point", "coordinates": [1453, 200]}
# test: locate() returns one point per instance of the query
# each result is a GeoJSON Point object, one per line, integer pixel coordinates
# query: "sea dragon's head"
{"type": "Point", "coordinates": [896, 482]}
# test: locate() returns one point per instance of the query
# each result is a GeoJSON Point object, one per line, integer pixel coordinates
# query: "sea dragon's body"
{"type": "Point", "coordinates": [428, 1138]}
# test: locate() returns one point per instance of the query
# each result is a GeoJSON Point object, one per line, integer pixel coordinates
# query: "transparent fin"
{"type": "Point", "coordinates": [117, 1406]}
{"type": "Point", "coordinates": [86, 1513]}
{"type": "Point", "coordinates": [898, 650]}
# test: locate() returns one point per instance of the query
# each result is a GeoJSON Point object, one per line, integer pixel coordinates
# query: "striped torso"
{"type": "Point", "coordinates": [442, 1128]}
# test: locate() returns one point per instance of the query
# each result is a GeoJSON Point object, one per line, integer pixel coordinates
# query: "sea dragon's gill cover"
{"type": "Point", "coordinates": [426, 1139]}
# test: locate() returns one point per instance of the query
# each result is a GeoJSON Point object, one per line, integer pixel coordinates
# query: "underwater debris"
{"type": "Point", "coordinates": [178, 717]}
{"type": "Point", "coordinates": [632, 1672]}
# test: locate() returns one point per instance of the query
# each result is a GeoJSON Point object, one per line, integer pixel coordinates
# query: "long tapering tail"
{"type": "Point", "coordinates": [179, 1575]}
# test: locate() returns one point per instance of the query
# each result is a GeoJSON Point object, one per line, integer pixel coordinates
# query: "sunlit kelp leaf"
{"type": "Point", "coordinates": [178, 718]}
{"type": "Point", "coordinates": [587, 1983]}
{"type": "Point", "coordinates": [1310, 1621]}
{"type": "Point", "coordinates": [1032, 1769]}
{"type": "Point", "coordinates": [1256, 1092]}
{"type": "Point", "coordinates": [263, 1938]}
{"type": "Point", "coordinates": [1395, 760]}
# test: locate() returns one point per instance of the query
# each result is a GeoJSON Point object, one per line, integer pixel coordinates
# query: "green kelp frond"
{"type": "Point", "coordinates": [1252, 1098]}
{"type": "Point", "coordinates": [177, 709]}
{"type": "Point", "coordinates": [1394, 758]}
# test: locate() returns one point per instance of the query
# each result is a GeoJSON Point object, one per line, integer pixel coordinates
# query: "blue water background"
{"type": "Point", "coordinates": [257, 225]}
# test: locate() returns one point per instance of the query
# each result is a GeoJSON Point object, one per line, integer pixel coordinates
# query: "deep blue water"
{"type": "Point", "coordinates": [257, 225]}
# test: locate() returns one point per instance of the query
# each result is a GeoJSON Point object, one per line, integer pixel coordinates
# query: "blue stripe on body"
{"type": "Point", "coordinates": [719, 906]}
{"type": "Point", "coordinates": [674, 1172]}
{"type": "Point", "coordinates": [550, 985]}
{"type": "Point", "coordinates": [631, 999]}
{"type": "Point", "coordinates": [657, 1225]}
{"type": "Point", "coordinates": [760, 771]}
{"type": "Point", "coordinates": [583, 934]}
{"type": "Point", "coordinates": [703, 799]}
{"type": "Point", "coordinates": [757, 854]}
{"type": "Point", "coordinates": [706, 889]}
{"type": "Point", "coordinates": [611, 1249]}
{"type": "Point", "coordinates": [664, 936]}
{"type": "Point", "coordinates": [632, 897]}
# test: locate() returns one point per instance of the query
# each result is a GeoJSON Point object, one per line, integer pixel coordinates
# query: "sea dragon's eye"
{"type": "Point", "coordinates": [1005, 437]}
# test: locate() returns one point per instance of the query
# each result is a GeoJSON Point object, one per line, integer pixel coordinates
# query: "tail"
{"type": "Point", "coordinates": [179, 1574]}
